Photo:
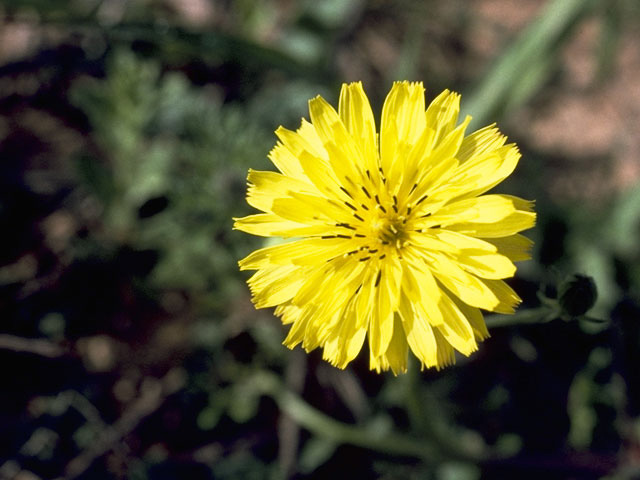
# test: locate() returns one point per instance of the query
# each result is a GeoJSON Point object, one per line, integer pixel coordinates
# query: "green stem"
{"type": "Point", "coordinates": [322, 425]}
{"type": "Point", "coordinates": [541, 314]}
{"type": "Point", "coordinates": [437, 448]}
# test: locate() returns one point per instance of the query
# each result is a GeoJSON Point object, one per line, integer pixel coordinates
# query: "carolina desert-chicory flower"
{"type": "Point", "coordinates": [393, 238]}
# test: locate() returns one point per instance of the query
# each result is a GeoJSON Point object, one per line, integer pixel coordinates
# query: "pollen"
{"type": "Point", "coordinates": [389, 230]}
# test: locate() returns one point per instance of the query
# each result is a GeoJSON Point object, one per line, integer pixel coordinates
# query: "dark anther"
{"type": "Point", "coordinates": [346, 191]}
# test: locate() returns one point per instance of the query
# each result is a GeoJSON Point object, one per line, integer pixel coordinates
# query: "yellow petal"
{"type": "Point", "coordinates": [344, 347]}
{"type": "Point", "coordinates": [520, 219]}
{"type": "Point", "coordinates": [355, 111]}
{"type": "Point", "coordinates": [483, 140]}
{"type": "Point", "coordinates": [310, 251]}
{"type": "Point", "coordinates": [271, 225]}
{"type": "Point", "coordinates": [444, 350]}
{"type": "Point", "coordinates": [462, 242]}
{"type": "Point", "coordinates": [466, 286]}
{"type": "Point", "coordinates": [364, 301]}
{"type": "Point", "coordinates": [403, 120]}
{"type": "Point", "coordinates": [381, 325]}
{"type": "Point", "coordinates": [442, 114]}
{"type": "Point", "coordinates": [505, 294]}
{"type": "Point", "coordinates": [264, 187]}
{"type": "Point", "coordinates": [474, 317]}
{"type": "Point", "coordinates": [306, 147]}
{"type": "Point", "coordinates": [286, 162]}
{"type": "Point", "coordinates": [456, 328]}
{"type": "Point", "coordinates": [420, 335]}
{"type": "Point", "coordinates": [421, 288]}
{"type": "Point", "coordinates": [490, 265]}
{"type": "Point", "coordinates": [395, 358]}
{"type": "Point", "coordinates": [274, 285]}
{"type": "Point", "coordinates": [311, 209]}
{"type": "Point", "coordinates": [345, 157]}
{"type": "Point", "coordinates": [415, 166]}
{"type": "Point", "coordinates": [305, 139]}
{"type": "Point", "coordinates": [489, 209]}
{"type": "Point", "coordinates": [449, 145]}
{"type": "Point", "coordinates": [515, 247]}
{"type": "Point", "coordinates": [319, 279]}
{"type": "Point", "coordinates": [482, 172]}
{"type": "Point", "coordinates": [345, 342]}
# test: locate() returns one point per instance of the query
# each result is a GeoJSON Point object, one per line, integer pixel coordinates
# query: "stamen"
{"type": "Point", "coordinates": [378, 278]}
{"type": "Point", "coordinates": [365, 191]}
{"type": "Point", "coordinates": [350, 206]}
{"type": "Point", "coordinates": [364, 206]}
{"type": "Point", "coordinates": [422, 199]}
{"type": "Point", "coordinates": [346, 191]}
{"type": "Point", "coordinates": [358, 217]}
{"type": "Point", "coordinates": [345, 225]}
{"type": "Point", "coordinates": [363, 259]}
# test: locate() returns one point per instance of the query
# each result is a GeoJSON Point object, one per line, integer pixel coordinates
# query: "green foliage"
{"type": "Point", "coordinates": [166, 143]}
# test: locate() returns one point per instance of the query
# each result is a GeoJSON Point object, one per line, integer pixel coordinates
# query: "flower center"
{"type": "Point", "coordinates": [389, 230]}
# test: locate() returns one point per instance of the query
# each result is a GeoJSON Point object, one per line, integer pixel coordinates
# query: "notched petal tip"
{"type": "Point", "coordinates": [407, 83]}
{"type": "Point", "coordinates": [318, 102]}
{"type": "Point", "coordinates": [236, 223]}
{"type": "Point", "coordinates": [350, 85]}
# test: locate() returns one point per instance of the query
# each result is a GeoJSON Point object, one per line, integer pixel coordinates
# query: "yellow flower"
{"type": "Point", "coordinates": [394, 240]}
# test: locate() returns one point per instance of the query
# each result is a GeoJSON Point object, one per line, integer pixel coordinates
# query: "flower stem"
{"type": "Point", "coordinates": [322, 425]}
{"type": "Point", "coordinates": [540, 314]}
{"type": "Point", "coordinates": [387, 442]}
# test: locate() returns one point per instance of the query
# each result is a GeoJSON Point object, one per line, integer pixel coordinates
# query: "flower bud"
{"type": "Point", "coordinates": [577, 295]}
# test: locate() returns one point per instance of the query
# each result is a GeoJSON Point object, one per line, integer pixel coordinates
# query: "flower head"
{"type": "Point", "coordinates": [392, 241]}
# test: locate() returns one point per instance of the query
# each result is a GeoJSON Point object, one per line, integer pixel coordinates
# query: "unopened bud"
{"type": "Point", "coordinates": [577, 295]}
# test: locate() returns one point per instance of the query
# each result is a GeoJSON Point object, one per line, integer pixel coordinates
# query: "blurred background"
{"type": "Point", "coordinates": [129, 347]}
